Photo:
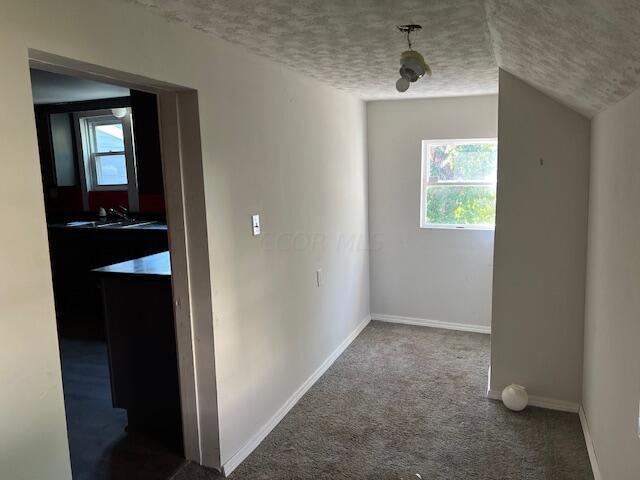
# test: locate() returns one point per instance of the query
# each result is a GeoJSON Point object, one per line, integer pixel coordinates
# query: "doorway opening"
{"type": "Point", "coordinates": [118, 154]}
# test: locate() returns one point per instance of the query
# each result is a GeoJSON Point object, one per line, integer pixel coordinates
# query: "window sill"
{"type": "Point", "coordinates": [109, 188]}
{"type": "Point", "coordinates": [457, 227]}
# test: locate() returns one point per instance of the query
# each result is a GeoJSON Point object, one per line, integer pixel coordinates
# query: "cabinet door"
{"type": "Point", "coordinates": [143, 361]}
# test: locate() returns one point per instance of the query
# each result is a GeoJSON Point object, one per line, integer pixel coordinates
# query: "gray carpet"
{"type": "Point", "coordinates": [406, 400]}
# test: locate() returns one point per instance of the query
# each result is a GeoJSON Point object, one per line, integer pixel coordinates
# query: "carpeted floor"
{"type": "Point", "coordinates": [406, 400]}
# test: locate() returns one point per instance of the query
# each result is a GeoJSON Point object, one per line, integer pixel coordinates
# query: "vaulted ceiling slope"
{"type": "Point", "coordinates": [585, 53]}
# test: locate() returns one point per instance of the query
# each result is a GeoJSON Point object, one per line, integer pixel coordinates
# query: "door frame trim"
{"type": "Point", "coordinates": [188, 244]}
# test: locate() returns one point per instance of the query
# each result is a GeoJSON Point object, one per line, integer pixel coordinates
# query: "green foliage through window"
{"type": "Point", "coordinates": [460, 183]}
{"type": "Point", "coordinates": [461, 205]}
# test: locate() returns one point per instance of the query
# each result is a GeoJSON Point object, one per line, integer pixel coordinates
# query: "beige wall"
{"type": "Point", "coordinates": [33, 438]}
{"type": "Point", "coordinates": [611, 382]}
{"type": "Point", "coordinates": [540, 244]}
{"type": "Point", "coordinates": [273, 142]}
{"type": "Point", "coordinates": [432, 274]}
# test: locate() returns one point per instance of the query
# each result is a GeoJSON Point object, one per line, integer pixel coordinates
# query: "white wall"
{"type": "Point", "coordinates": [540, 244]}
{"type": "Point", "coordinates": [611, 381]}
{"type": "Point", "coordinates": [442, 275]}
{"type": "Point", "coordinates": [273, 142]}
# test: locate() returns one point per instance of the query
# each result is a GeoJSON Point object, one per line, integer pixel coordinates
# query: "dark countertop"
{"type": "Point", "coordinates": [112, 225]}
{"type": "Point", "coordinates": [157, 264]}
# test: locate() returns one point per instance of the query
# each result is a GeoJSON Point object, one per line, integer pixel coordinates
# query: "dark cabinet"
{"type": "Point", "coordinates": [140, 332]}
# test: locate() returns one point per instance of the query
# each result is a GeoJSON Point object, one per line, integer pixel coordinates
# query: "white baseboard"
{"type": "Point", "coordinates": [590, 448]}
{"type": "Point", "coordinates": [542, 402]}
{"type": "Point", "coordinates": [424, 322]}
{"type": "Point", "coordinates": [231, 464]}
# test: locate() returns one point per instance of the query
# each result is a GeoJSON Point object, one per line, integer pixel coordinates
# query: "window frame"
{"type": "Point", "coordinates": [94, 154]}
{"type": "Point", "coordinates": [425, 183]}
{"type": "Point", "coordinates": [87, 153]}
{"type": "Point", "coordinates": [95, 180]}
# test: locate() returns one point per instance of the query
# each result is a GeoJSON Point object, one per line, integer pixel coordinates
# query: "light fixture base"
{"type": "Point", "coordinates": [409, 28]}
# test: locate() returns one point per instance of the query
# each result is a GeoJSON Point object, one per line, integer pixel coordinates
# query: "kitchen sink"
{"type": "Point", "coordinates": [82, 224]}
{"type": "Point", "coordinates": [135, 224]}
{"type": "Point", "coordinates": [108, 224]}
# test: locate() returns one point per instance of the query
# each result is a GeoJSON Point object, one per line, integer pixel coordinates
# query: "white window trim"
{"type": "Point", "coordinates": [424, 183]}
{"type": "Point", "coordinates": [87, 170]}
{"type": "Point", "coordinates": [90, 135]}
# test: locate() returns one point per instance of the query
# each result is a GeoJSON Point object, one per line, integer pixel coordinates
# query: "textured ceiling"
{"type": "Point", "coordinates": [354, 44]}
{"type": "Point", "coordinates": [585, 53]}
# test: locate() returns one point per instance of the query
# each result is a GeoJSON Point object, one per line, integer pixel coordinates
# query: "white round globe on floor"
{"type": "Point", "coordinates": [515, 397]}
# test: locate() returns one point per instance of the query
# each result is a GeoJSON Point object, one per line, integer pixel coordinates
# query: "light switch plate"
{"type": "Point", "coordinates": [255, 223]}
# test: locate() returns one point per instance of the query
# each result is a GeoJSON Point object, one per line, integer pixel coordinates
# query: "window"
{"type": "Point", "coordinates": [108, 160]}
{"type": "Point", "coordinates": [458, 183]}
{"type": "Point", "coordinates": [107, 150]}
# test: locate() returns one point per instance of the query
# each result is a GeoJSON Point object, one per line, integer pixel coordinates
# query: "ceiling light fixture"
{"type": "Point", "coordinates": [412, 64]}
{"type": "Point", "coordinates": [119, 112]}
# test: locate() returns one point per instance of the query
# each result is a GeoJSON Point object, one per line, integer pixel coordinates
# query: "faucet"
{"type": "Point", "coordinates": [121, 212]}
